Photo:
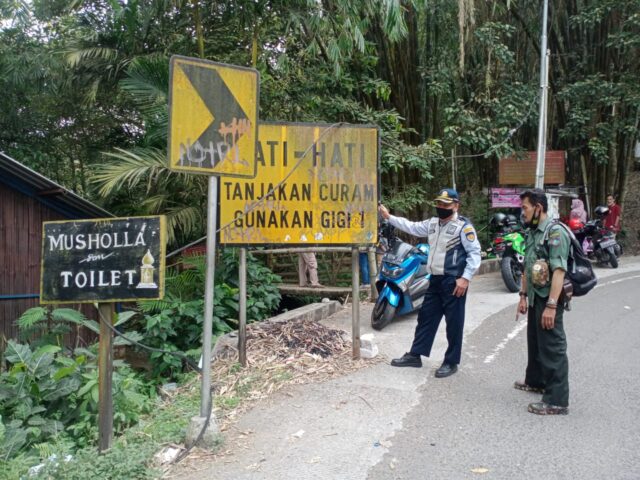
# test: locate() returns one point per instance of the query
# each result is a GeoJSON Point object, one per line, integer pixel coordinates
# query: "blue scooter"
{"type": "Point", "coordinates": [403, 279]}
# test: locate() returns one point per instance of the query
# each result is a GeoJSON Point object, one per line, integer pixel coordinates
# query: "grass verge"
{"type": "Point", "coordinates": [131, 456]}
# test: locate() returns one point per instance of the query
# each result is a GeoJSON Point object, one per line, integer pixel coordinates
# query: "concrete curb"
{"type": "Point", "coordinates": [313, 311]}
{"type": "Point", "coordinates": [489, 266]}
{"type": "Point", "coordinates": [316, 312]}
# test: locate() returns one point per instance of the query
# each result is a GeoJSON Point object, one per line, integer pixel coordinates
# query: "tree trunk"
{"type": "Point", "coordinates": [612, 164]}
{"type": "Point", "coordinates": [197, 20]}
{"type": "Point", "coordinates": [629, 160]}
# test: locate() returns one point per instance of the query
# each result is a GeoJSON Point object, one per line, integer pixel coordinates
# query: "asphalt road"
{"type": "Point", "coordinates": [475, 425]}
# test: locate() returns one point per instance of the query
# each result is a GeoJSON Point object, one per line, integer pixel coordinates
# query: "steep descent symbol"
{"type": "Point", "coordinates": [215, 142]}
{"type": "Point", "coordinates": [209, 125]}
{"type": "Point", "coordinates": [191, 106]}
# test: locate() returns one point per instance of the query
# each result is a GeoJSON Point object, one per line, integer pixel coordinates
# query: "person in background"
{"type": "Point", "coordinates": [363, 258]}
{"type": "Point", "coordinates": [612, 221]}
{"type": "Point", "coordinates": [578, 211]}
{"type": "Point", "coordinates": [308, 270]}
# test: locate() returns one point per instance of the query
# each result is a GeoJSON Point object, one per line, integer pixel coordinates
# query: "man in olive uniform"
{"type": "Point", "coordinates": [546, 253]}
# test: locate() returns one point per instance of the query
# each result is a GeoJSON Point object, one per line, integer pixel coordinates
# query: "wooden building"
{"type": "Point", "coordinates": [26, 200]}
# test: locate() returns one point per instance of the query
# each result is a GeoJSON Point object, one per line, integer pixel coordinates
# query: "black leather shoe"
{"type": "Point", "coordinates": [407, 360]}
{"type": "Point", "coordinates": [446, 369]}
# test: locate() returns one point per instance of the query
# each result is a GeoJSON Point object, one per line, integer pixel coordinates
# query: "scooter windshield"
{"type": "Point", "coordinates": [398, 252]}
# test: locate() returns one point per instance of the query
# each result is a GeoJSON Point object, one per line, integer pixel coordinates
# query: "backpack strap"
{"type": "Point", "coordinates": [547, 230]}
{"type": "Point", "coordinates": [573, 241]}
{"type": "Point", "coordinates": [567, 288]}
{"type": "Point", "coordinates": [552, 224]}
{"type": "Point", "coordinates": [543, 243]}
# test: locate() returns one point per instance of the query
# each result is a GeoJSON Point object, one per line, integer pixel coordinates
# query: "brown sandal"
{"type": "Point", "coordinates": [527, 388]}
{"type": "Point", "coordinates": [541, 408]}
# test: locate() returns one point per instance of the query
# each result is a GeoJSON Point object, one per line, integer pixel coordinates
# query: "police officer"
{"type": "Point", "coordinates": [454, 257]}
{"type": "Point", "coordinates": [546, 253]}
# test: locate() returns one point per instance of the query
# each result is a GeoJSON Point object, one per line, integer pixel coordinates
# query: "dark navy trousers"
{"type": "Point", "coordinates": [438, 301]}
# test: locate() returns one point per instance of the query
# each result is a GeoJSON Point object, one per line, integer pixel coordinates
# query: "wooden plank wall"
{"type": "Point", "coordinates": [21, 220]}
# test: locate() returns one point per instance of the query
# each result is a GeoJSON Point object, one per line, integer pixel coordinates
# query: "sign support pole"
{"type": "Point", "coordinates": [242, 327]}
{"type": "Point", "coordinates": [105, 374]}
{"type": "Point", "coordinates": [373, 272]}
{"type": "Point", "coordinates": [355, 302]}
{"type": "Point", "coordinates": [205, 394]}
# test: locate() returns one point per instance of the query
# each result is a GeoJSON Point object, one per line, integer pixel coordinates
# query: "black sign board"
{"type": "Point", "coordinates": [103, 260]}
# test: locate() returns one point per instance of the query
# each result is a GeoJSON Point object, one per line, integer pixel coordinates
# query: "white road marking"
{"type": "Point", "coordinates": [613, 282]}
{"type": "Point", "coordinates": [514, 333]}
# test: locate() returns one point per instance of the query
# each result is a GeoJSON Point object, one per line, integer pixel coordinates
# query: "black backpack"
{"type": "Point", "coordinates": [579, 270]}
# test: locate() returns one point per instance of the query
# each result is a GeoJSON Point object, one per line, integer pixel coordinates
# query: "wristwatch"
{"type": "Point", "coordinates": [551, 301]}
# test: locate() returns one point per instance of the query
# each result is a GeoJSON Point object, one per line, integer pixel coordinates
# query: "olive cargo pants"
{"type": "Point", "coordinates": [548, 365]}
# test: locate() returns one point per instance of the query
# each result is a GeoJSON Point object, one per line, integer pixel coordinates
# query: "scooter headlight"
{"type": "Point", "coordinates": [391, 271]}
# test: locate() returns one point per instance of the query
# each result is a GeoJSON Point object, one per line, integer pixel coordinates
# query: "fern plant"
{"type": "Point", "coordinates": [49, 326]}
{"type": "Point", "coordinates": [46, 326]}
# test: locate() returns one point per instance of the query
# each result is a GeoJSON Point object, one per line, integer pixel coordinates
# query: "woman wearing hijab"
{"type": "Point", "coordinates": [578, 211]}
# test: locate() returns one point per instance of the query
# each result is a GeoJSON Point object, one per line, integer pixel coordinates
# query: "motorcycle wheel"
{"type": "Point", "coordinates": [382, 314]}
{"type": "Point", "coordinates": [613, 260]}
{"type": "Point", "coordinates": [511, 273]}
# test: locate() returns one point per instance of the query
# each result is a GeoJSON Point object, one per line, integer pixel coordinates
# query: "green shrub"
{"type": "Point", "coordinates": [49, 396]}
{"type": "Point", "coordinates": [263, 296]}
{"type": "Point", "coordinates": [175, 323]}
{"type": "Point", "coordinates": [120, 462]}
{"type": "Point", "coordinates": [131, 456]}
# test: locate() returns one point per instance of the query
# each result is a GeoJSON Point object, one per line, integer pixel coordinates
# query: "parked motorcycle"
{"type": "Point", "coordinates": [599, 243]}
{"type": "Point", "coordinates": [403, 279]}
{"type": "Point", "coordinates": [508, 246]}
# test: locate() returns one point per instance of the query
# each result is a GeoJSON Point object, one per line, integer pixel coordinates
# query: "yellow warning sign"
{"type": "Point", "coordinates": [314, 184]}
{"type": "Point", "coordinates": [213, 116]}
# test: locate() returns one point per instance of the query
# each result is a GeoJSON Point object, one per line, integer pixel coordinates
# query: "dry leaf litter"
{"type": "Point", "coordinates": [279, 354]}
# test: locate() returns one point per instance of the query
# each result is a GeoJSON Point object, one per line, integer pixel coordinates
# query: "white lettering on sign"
{"type": "Point", "coordinates": [92, 257]}
{"type": "Point", "coordinates": [96, 278]}
{"type": "Point", "coordinates": [94, 241]}
{"type": "Point", "coordinates": [203, 155]}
